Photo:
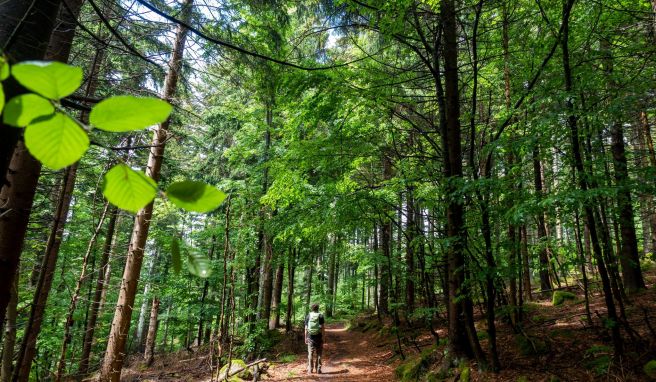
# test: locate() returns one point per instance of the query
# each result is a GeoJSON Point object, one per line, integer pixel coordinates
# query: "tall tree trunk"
{"type": "Point", "coordinates": [274, 320]}
{"type": "Point", "coordinates": [543, 239]}
{"type": "Point", "coordinates": [385, 243]}
{"type": "Point", "coordinates": [9, 340]}
{"type": "Point", "coordinates": [291, 267]}
{"type": "Point", "coordinates": [265, 250]}
{"type": "Point", "coordinates": [526, 271]}
{"type": "Point", "coordinates": [411, 237]}
{"type": "Point", "coordinates": [76, 296]}
{"type": "Point", "coordinates": [649, 218]}
{"type": "Point", "coordinates": [100, 286]}
{"type": "Point", "coordinates": [583, 182]}
{"type": "Point", "coordinates": [308, 289]}
{"type": "Point", "coordinates": [463, 341]}
{"type": "Point", "coordinates": [331, 280]}
{"type": "Point", "coordinates": [376, 276]}
{"type": "Point", "coordinates": [206, 286]}
{"type": "Point", "coordinates": [631, 274]}
{"type": "Point", "coordinates": [114, 355]}
{"type": "Point", "coordinates": [266, 277]}
{"type": "Point", "coordinates": [140, 332]}
{"type": "Point", "coordinates": [149, 352]}
{"type": "Point", "coordinates": [33, 327]}
{"type": "Point", "coordinates": [25, 34]}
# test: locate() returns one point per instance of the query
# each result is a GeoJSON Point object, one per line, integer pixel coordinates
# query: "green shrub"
{"type": "Point", "coordinates": [560, 296]}
{"type": "Point", "coordinates": [650, 369]}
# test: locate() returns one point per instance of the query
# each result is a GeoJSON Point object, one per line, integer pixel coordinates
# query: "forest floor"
{"type": "Point", "coordinates": [348, 355]}
{"type": "Point", "coordinates": [556, 344]}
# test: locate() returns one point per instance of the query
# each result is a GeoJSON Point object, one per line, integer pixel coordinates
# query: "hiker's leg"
{"type": "Point", "coordinates": [315, 355]}
{"type": "Point", "coordinates": [309, 348]}
{"type": "Point", "coordinates": [319, 354]}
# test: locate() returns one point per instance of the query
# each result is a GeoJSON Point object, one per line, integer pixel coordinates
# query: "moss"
{"type": "Point", "coordinates": [413, 368]}
{"type": "Point", "coordinates": [522, 378]}
{"type": "Point", "coordinates": [234, 366]}
{"type": "Point", "coordinates": [531, 345]}
{"type": "Point", "coordinates": [465, 373]}
{"type": "Point", "coordinates": [560, 296]}
{"type": "Point", "coordinates": [598, 359]}
{"type": "Point", "coordinates": [432, 377]}
{"type": "Point", "coordinates": [650, 369]}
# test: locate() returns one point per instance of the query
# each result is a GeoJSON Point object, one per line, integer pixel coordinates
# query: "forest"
{"type": "Point", "coordinates": [466, 188]}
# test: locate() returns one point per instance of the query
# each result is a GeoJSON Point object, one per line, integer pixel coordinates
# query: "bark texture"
{"type": "Point", "coordinates": [115, 352]}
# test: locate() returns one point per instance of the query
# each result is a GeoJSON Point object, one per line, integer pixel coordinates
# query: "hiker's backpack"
{"type": "Point", "coordinates": [314, 326]}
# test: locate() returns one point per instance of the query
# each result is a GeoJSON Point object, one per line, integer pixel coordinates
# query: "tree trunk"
{"type": "Point", "coordinates": [206, 286]}
{"type": "Point", "coordinates": [76, 296]}
{"type": "Point", "coordinates": [114, 355]}
{"type": "Point", "coordinates": [376, 280]}
{"type": "Point", "coordinates": [308, 289]}
{"type": "Point", "coordinates": [139, 338]}
{"type": "Point", "coordinates": [411, 237]}
{"type": "Point", "coordinates": [543, 239]}
{"type": "Point", "coordinates": [274, 320]}
{"type": "Point", "coordinates": [265, 250]}
{"type": "Point", "coordinates": [385, 243]}
{"type": "Point", "coordinates": [33, 327]}
{"type": "Point", "coordinates": [526, 271]}
{"type": "Point", "coordinates": [463, 342]}
{"type": "Point", "coordinates": [101, 281]}
{"type": "Point", "coordinates": [149, 353]}
{"type": "Point", "coordinates": [331, 279]}
{"type": "Point", "coordinates": [649, 217]}
{"type": "Point", "coordinates": [266, 277]}
{"type": "Point", "coordinates": [631, 274]}
{"type": "Point", "coordinates": [583, 182]}
{"type": "Point", "coordinates": [34, 39]}
{"type": "Point", "coordinates": [9, 340]}
{"type": "Point", "coordinates": [25, 33]}
{"type": "Point", "coordinates": [291, 267]}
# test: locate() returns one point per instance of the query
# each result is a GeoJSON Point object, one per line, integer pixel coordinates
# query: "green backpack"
{"type": "Point", "coordinates": [314, 327]}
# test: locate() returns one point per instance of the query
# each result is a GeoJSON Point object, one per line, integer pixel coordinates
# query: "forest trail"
{"type": "Point", "coordinates": [347, 356]}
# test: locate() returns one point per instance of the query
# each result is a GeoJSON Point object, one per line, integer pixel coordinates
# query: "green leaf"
{"type": "Point", "coordinates": [57, 141]}
{"type": "Point", "coordinates": [2, 98]}
{"type": "Point", "coordinates": [128, 189]}
{"type": "Point", "coordinates": [175, 255]}
{"type": "Point", "coordinates": [4, 68]}
{"type": "Point", "coordinates": [195, 196]}
{"type": "Point", "coordinates": [198, 264]}
{"type": "Point", "coordinates": [127, 113]}
{"type": "Point", "coordinates": [23, 109]}
{"type": "Point", "coordinates": [52, 80]}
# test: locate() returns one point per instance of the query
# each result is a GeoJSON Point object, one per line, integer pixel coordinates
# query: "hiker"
{"type": "Point", "coordinates": [315, 331]}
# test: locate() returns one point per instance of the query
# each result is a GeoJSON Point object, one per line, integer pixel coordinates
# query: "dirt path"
{"type": "Point", "coordinates": [347, 356]}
